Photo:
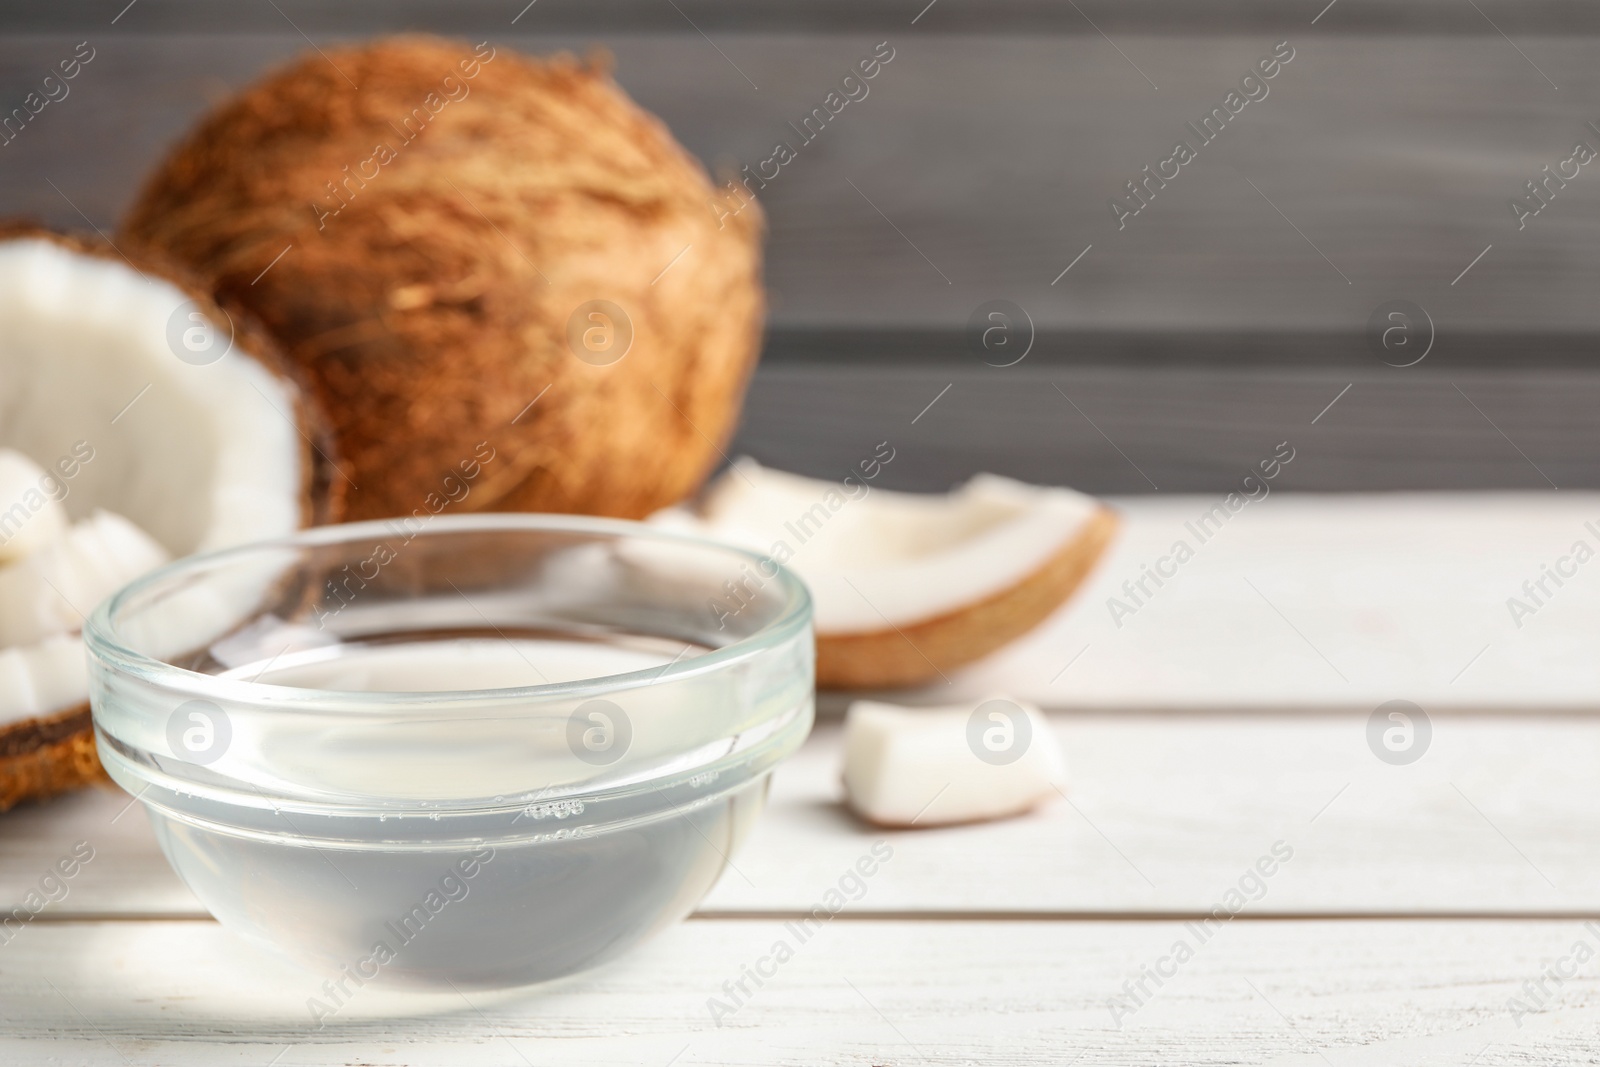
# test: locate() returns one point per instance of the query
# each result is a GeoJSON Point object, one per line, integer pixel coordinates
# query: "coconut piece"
{"type": "Point", "coordinates": [48, 593]}
{"type": "Point", "coordinates": [960, 763]}
{"type": "Point", "coordinates": [52, 747]}
{"type": "Point", "coordinates": [906, 586]}
{"type": "Point", "coordinates": [476, 248]}
{"type": "Point", "coordinates": [130, 391]}
{"type": "Point", "coordinates": [44, 677]}
{"type": "Point", "coordinates": [31, 514]}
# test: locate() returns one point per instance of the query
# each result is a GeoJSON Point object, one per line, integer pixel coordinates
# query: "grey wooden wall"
{"type": "Point", "coordinates": [1221, 319]}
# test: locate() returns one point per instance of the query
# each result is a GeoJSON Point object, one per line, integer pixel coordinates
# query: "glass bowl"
{"type": "Point", "coordinates": [475, 751]}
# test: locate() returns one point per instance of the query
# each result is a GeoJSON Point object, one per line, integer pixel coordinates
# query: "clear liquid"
{"type": "Point", "coordinates": [493, 753]}
{"type": "Point", "coordinates": [402, 895]}
{"type": "Point", "coordinates": [442, 660]}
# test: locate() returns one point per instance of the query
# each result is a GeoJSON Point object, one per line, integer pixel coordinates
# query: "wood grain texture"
{"type": "Point", "coordinates": [1202, 17]}
{"type": "Point", "coordinates": [1304, 601]}
{"type": "Point", "coordinates": [1164, 814]}
{"type": "Point", "coordinates": [1346, 993]}
{"type": "Point", "coordinates": [1121, 430]}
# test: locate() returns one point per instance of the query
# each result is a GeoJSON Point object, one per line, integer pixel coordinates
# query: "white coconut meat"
{"type": "Point", "coordinates": [43, 678]}
{"type": "Point", "coordinates": [874, 558]}
{"type": "Point", "coordinates": [148, 427]}
{"type": "Point", "coordinates": [951, 764]}
{"type": "Point", "coordinates": [30, 514]}
{"type": "Point", "coordinates": [47, 593]}
{"type": "Point", "coordinates": [196, 454]}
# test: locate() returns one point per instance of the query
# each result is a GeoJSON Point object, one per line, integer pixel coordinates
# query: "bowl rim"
{"type": "Point", "coordinates": [101, 640]}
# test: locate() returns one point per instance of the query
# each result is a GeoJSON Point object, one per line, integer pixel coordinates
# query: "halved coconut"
{"type": "Point", "coordinates": [906, 585]}
{"type": "Point", "coordinates": [160, 425]}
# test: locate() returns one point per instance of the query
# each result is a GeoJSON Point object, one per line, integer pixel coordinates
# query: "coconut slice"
{"type": "Point", "coordinates": [160, 423]}
{"type": "Point", "coordinates": [907, 585]}
{"type": "Point", "coordinates": [43, 595]}
{"type": "Point", "coordinates": [955, 764]}
{"type": "Point", "coordinates": [31, 514]}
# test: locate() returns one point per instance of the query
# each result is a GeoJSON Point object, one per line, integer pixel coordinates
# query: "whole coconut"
{"type": "Point", "coordinates": [474, 253]}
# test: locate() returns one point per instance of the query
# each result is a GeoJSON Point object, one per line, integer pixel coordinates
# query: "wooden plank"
{"type": "Point", "coordinates": [1165, 814]}
{"type": "Point", "coordinates": [1200, 17]}
{"type": "Point", "coordinates": [980, 166]}
{"type": "Point", "coordinates": [1162, 815]}
{"type": "Point", "coordinates": [1342, 993]}
{"type": "Point", "coordinates": [1182, 429]}
{"type": "Point", "coordinates": [127, 875]}
{"type": "Point", "coordinates": [1308, 601]}
{"type": "Point", "coordinates": [1135, 350]}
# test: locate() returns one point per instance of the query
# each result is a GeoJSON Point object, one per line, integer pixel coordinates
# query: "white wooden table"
{"type": "Point", "coordinates": [1422, 909]}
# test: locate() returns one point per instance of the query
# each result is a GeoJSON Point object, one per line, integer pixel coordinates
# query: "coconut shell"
{"type": "Point", "coordinates": [42, 757]}
{"type": "Point", "coordinates": [54, 753]}
{"type": "Point", "coordinates": [431, 243]}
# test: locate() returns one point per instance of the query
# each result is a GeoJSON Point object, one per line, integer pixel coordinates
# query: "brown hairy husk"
{"type": "Point", "coordinates": [432, 307]}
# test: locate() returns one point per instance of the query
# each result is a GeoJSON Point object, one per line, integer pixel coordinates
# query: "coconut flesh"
{"type": "Point", "coordinates": [936, 766]}
{"type": "Point", "coordinates": [906, 585]}
{"type": "Point", "coordinates": [137, 423]}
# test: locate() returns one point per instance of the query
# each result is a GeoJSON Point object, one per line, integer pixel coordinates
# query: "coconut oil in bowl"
{"type": "Point", "coordinates": [507, 752]}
